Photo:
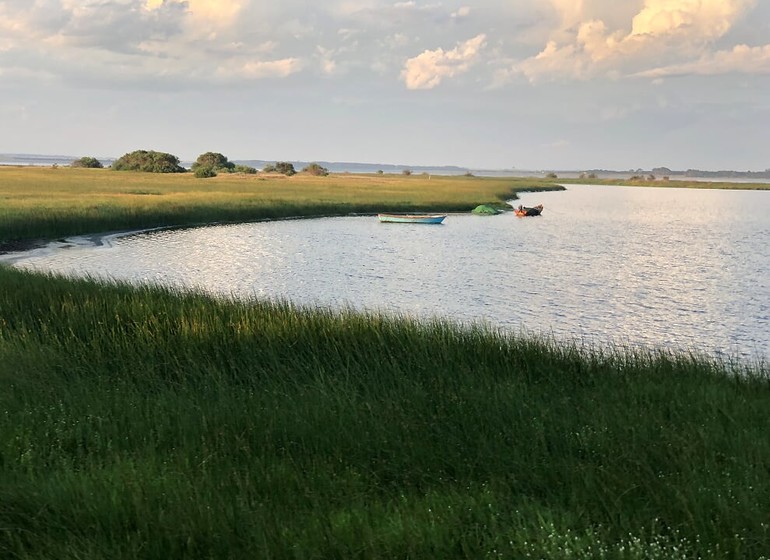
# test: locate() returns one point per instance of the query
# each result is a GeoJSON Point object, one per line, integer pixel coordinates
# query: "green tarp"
{"type": "Point", "coordinates": [485, 210]}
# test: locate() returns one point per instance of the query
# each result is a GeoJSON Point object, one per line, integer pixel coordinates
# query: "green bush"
{"type": "Point", "coordinates": [284, 167]}
{"type": "Point", "coordinates": [148, 161]}
{"type": "Point", "coordinates": [204, 172]}
{"type": "Point", "coordinates": [244, 169]}
{"type": "Point", "coordinates": [90, 162]}
{"type": "Point", "coordinates": [316, 169]}
{"type": "Point", "coordinates": [215, 161]}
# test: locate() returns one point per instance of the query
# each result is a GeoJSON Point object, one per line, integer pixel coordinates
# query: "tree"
{"type": "Point", "coordinates": [205, 171]}
{"type": "Point", "coordinates": [284, 167]}
{"type": "Point", "coordinates": [406, 172]}
{"type": "Point", "coordinates": [148, 161]}
{"type": "Point", "coordinates": [89, 162]}
{"type": "Point", "coordinates": [214, 160]}
{"type": "Point", "coordinates": [315, 169]}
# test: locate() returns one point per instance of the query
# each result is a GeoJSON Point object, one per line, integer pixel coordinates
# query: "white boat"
{"type": "Point", "coordinates": [412, 218]}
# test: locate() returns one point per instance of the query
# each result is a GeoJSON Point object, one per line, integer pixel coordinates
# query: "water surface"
{"type": "Point", "coordinates": [674, 268]}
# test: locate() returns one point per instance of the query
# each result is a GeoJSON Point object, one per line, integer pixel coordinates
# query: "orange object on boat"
{"type": "Point", "coordinates": [528, 211]}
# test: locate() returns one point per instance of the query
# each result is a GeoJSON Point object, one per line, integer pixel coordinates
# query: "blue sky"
{"type": "Point", "coordinates": [530, 84]}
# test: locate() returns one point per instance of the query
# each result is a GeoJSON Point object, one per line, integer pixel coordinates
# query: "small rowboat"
{"type": "Point", "coordinates": [412, 218]}
{"type": "Point", "coordinates": [528, 211]}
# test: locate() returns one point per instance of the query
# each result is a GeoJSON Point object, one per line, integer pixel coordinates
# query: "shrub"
{"type": "Point", "coordinates": [205, 171]}
{"type": "Point", "coordinates": [406, 172]}
{"type": "Point", "coordinates": [551, 175]}
{"type": "Point", "coordinates": [244, 169]}
{"type": "Point", "coordinates": [90, 162]}
{"type": "Point", "coordinates": [280, 167]}
{"type": "Point", "coordinates": [379, 172]}
{"type": "Point", "coordinates": [316, 169]}
{"type": "Point", "coordinates": [148, 161]}
{"type": "Point", "coordinates": [214, 160]}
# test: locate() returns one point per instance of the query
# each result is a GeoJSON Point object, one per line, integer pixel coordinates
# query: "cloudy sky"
{"type": "Point", "coordinates": [486, 84]}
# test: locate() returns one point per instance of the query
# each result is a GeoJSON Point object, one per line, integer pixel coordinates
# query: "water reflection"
{"type": "Point", "coordinates": [676, 268]}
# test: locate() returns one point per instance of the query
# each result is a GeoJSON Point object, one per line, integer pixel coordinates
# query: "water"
{"type": "Point", "coordinates": [672, 268]}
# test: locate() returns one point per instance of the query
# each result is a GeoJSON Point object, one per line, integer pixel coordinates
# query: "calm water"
{"type": "Point", "coordinates": [679, 268]}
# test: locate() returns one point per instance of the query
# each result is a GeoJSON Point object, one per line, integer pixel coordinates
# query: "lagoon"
{"type": "Point", "coordinates": [682, 269]}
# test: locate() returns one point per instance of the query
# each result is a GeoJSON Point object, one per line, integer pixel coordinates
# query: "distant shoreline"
{"type": "Point", "coordinates": [44, 160]}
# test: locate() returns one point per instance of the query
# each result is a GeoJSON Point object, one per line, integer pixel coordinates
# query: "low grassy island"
{"type": "Point", "coordinates": [142, 422]}
{"type": "Point", "coordinates": [46, 203]}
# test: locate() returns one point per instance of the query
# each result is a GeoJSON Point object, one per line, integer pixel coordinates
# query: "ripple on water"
{"type": "Point", "coordinates": [669, 268]}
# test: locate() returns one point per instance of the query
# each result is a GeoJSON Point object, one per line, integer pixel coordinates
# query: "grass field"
{"type": "Point", "coordinates": [140, 422]}
{"type": "Point", "coordinates": [46, 203]}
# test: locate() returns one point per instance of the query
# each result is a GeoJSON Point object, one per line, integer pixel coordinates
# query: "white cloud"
{"type": "Point", "coordinates": [426, 70]}
{"type": "Point", "coordinates": [741, 59]}
{"type": "Point", "coordinates": [584, 46]}
{"type": "Point", "coordinates": [462, 12]}
{"type": "Point", "coordinates": [257, 69]}
{"type": "Point", "coordinates": [181, 43]}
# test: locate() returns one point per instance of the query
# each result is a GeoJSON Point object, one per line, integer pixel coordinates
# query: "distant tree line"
{"type": "Point", "coordinates": [208, 164]}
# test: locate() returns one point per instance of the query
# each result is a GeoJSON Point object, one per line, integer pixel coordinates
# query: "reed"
{"type": "Point", "coordinates": [141, 422]}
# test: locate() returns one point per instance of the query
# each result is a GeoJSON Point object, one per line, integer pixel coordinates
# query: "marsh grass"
{"type": "Point", "coordinates": [140, 422]}
{"type": "Point", "coordinates": [673, 183]}
{"type": "Point", "coordinates": [45, 203]}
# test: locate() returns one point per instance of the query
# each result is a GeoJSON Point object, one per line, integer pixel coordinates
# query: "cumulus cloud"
{"type": "Point", "coordinates": [186, 42]}
{"type": "Point", "coordinates": [144, 41]}
{"type": "Point", "coordinates": [584, 45]}
{"type": "Point", "coordinates": [426, 70]}
{"type": "Point", "coordinates": [462, 12]}
{"type": "Point", "coordinates": [741, 59]}
{"type": "Point", "coordinates": [257, 69]}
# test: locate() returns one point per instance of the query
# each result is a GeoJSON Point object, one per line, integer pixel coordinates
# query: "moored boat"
{"type": "Point", "coordinates": [528, 211]}
{"type": "Point", "coordinates": [412, 218]}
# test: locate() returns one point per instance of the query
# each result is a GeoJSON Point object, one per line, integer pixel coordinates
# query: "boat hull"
{"type": "Point", "coordinates": [522, 211]}
{"type": "Point", "coordinates": [411, 218]}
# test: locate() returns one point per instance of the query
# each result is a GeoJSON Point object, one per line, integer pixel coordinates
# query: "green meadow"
{"type": "Point", "coordinates": [144, 422]}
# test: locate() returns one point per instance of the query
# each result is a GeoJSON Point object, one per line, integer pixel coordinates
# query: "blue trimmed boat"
{"type": "Point", "coordinates": [412, 218]}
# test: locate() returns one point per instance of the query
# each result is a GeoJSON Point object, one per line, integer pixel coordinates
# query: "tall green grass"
{"type": "Point", "coordinates": [140, 422]}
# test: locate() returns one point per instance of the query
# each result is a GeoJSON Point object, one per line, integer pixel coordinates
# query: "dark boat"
{"type": "Point", "coordinates": [529, 211]}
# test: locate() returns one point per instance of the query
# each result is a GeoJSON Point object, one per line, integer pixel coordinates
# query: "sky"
{"type": "Point", "coordinates": [489, 84]}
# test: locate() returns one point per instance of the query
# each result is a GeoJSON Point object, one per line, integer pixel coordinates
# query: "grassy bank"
{"type": "Point", "coordinates": [141, 423]}
{"type": "Point", "coordinates": [46, 203]}
{"type": "Point", "coordinates": [675, 183]}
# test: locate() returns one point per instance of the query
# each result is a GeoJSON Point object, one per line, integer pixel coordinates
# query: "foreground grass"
{"type": "Point", "coordinates": [46, 203]}
{"type": "Point", "coordinates": [143, 423]}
